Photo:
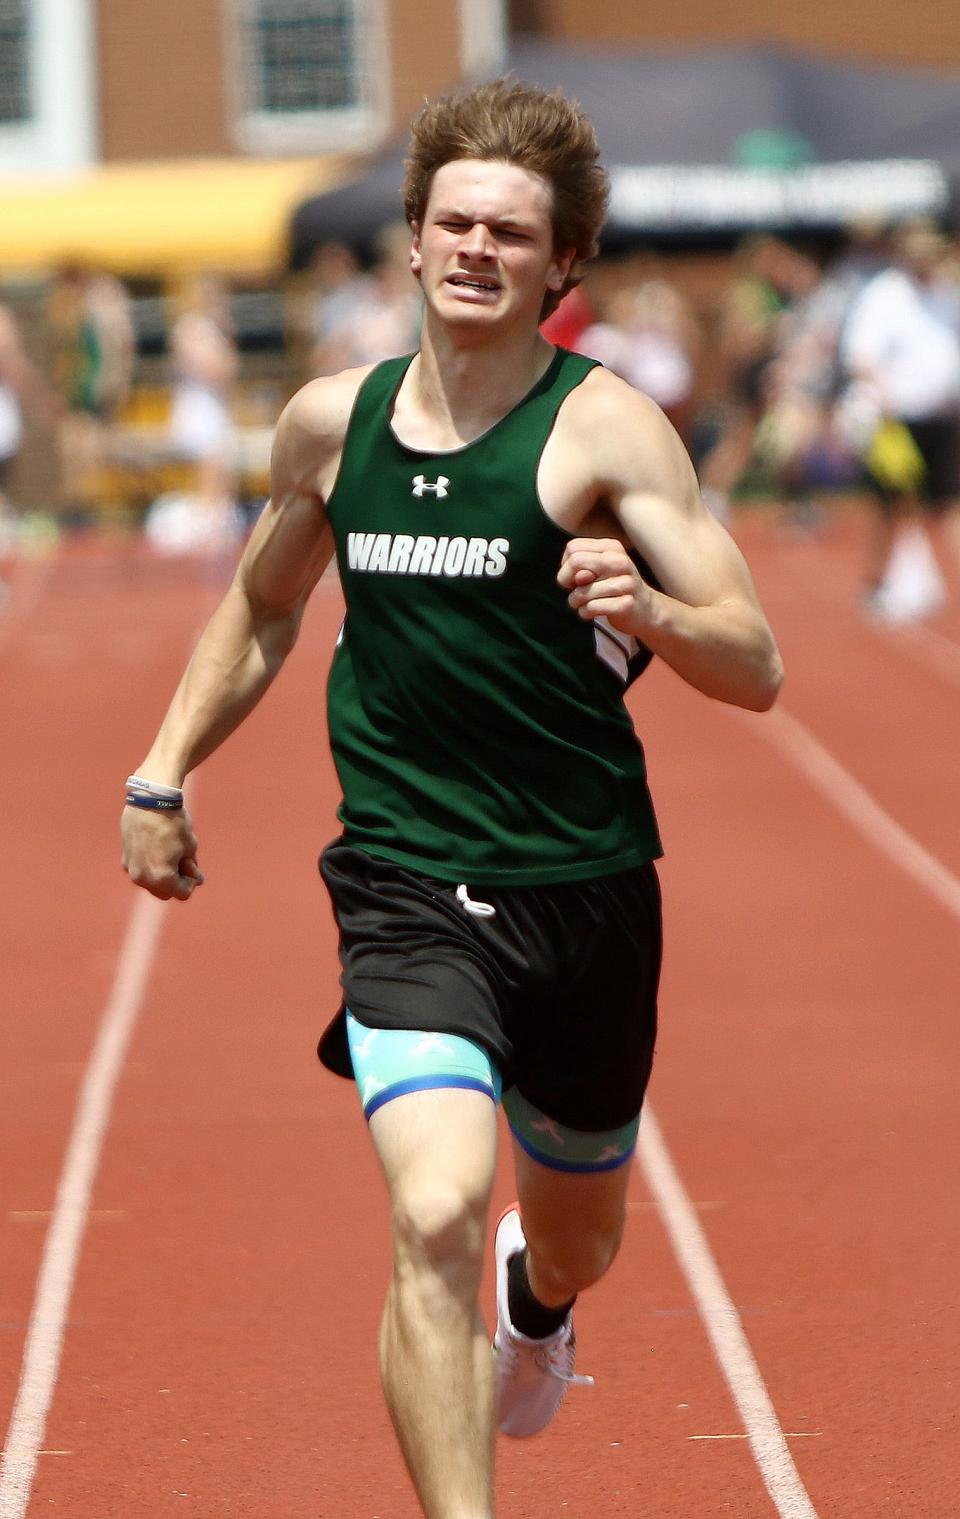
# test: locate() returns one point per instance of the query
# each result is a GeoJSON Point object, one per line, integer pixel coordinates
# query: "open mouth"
{"type": "Point", "coordinates": [479, 282]}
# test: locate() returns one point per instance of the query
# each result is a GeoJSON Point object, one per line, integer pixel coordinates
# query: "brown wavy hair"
{"type": "Point", "coordinates": [507, 121]}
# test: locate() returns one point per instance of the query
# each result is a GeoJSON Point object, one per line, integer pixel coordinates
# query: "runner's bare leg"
{"type": "Point", "coordinates": [438, 1150]}
{"type": "Point", "coordinates": [573, 1225]}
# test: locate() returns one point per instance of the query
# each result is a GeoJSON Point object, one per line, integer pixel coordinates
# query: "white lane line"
{"type": "Point", "coordinates": [44, 1341]}
{"type": "Point", "coordinates": [809, 756]}
{"type": "Point", "coordinates": [713, 1302]}
{"type": "Point", "coordinates": [722, 1324]}
{"type": "Point", "coordinates": [802, 1434]}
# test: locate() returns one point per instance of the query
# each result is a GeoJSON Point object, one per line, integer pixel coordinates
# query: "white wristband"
{"type": "Point", "coordinates": [153, 788]}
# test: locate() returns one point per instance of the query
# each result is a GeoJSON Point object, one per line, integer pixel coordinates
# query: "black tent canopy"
{"type": "Point", "coordinates": [706, 140]}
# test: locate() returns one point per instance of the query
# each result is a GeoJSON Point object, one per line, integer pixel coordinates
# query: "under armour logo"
{"type": "Point", "coordinates": [421, 484]}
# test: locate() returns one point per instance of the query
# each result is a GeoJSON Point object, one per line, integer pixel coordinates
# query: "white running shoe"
{"type": "Point", "coordinates": [532, 1375]}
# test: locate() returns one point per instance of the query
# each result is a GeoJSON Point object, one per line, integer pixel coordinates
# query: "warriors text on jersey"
{"type": "Point", "coordinates": [477, 724]}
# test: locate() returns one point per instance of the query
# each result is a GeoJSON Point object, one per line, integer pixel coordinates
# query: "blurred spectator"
{"type": "Point", "coordinates": [649, 338]}
{"type": "Point", "coordinates": [20, 385]}
{"type": "Point", "coordinates": [799, 380]}
{"type": "Point", "coordinates": [362, 318]}
{"type": "Point", "coordinates": [12, 368]}
{"type": "Point", "coordinates": [901, 351]}
{"type": "Point", "coordinates": [341, 296]}
{"type": "Point", "coordinates": [803, 441]}
{"type": "Point", "coordinates": [93, 354]}
{"type": "Point", "coordinates": [748, 332]}
{"type": "Point", "coordinates": [204, 360]}
{"type": "Point", "coordinates": [867, 252]}
{"type": "Point", "coordinates": [391, 324]}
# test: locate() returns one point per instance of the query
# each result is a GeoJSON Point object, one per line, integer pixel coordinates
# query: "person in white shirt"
{"type": "Point", "coordinates": [901, 350]}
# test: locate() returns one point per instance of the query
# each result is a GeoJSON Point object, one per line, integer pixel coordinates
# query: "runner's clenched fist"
{"type": "Point", "coordinates": [603, 581]}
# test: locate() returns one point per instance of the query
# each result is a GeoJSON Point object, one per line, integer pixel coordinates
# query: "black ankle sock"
{"type": "Point", "coordinates": [527, 1313]}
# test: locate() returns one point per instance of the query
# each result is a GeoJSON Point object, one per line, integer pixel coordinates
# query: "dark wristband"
{"type": "Point", "coordinates": [154, 803]}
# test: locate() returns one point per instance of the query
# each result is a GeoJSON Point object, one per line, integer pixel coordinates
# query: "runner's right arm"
{"type": "Point", "coordinates": [246, 640]}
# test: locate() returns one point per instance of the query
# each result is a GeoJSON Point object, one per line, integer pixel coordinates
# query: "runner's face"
{"type": "Point", "coordinates": [484, 254]}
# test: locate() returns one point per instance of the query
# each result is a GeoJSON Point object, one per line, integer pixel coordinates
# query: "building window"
{"type": "Point", "coordinates": [15, 103]}
{"type": "Point", "coordinates": [310, 69]}
{"type": "Point", "coordinates": [305, 55]}
{"type": "Point", "coordinates": [47, 86]}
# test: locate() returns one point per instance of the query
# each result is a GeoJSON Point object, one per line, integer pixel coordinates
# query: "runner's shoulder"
{"type": "Point", "coordinates": [319, 413]}
{"type": "Point", "coordinates": [622, 429]}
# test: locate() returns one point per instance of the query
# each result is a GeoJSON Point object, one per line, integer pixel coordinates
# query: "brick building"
{"type": "Point", "coordinates": [87, 82]}
{"type": "Point", "coordinates": [926, 34]}
{"type": "Point", "coordinates": [102, 81]}
{"type": "Point", "coordinates": [283, 90]}
{"type": "Point", "coordinates": [157, 139]}
{"type": "Point", "coordinates": [231, 110]}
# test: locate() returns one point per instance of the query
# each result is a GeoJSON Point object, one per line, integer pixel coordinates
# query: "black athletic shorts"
{"type": "Point", "coordinates": [938, 440]}
{"type": "Point", "coordinates": [559, 985]}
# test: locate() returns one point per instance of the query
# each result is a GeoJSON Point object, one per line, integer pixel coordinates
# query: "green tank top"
{"type": "Point", "coordinates": [477, 724]}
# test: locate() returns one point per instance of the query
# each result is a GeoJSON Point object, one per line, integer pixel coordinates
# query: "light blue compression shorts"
{"type": "Point", "coordinates": [389, 1063]}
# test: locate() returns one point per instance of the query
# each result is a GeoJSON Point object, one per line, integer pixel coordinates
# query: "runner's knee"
{"type": "Point", "coordinates": [438, 1232]}
{"type": "Point", "coordinates": [561, 1265]}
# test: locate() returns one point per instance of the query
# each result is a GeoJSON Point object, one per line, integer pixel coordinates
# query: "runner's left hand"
{"type": "Point", "coordinates": [603, 581]}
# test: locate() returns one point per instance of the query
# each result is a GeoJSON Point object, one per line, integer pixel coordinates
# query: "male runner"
{"type": "Point", "coordinates": [516, 530]}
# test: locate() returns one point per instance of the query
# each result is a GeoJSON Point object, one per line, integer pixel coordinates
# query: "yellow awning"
{"type": "Point", "coordinates": [161, 218]}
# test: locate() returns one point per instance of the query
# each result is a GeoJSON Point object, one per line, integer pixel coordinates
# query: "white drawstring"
{"type": "Point", "coordinates": [478, 909]}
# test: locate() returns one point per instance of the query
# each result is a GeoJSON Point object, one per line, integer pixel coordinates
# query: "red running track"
{"type": "Point", "coordinates": [218, 1352]}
